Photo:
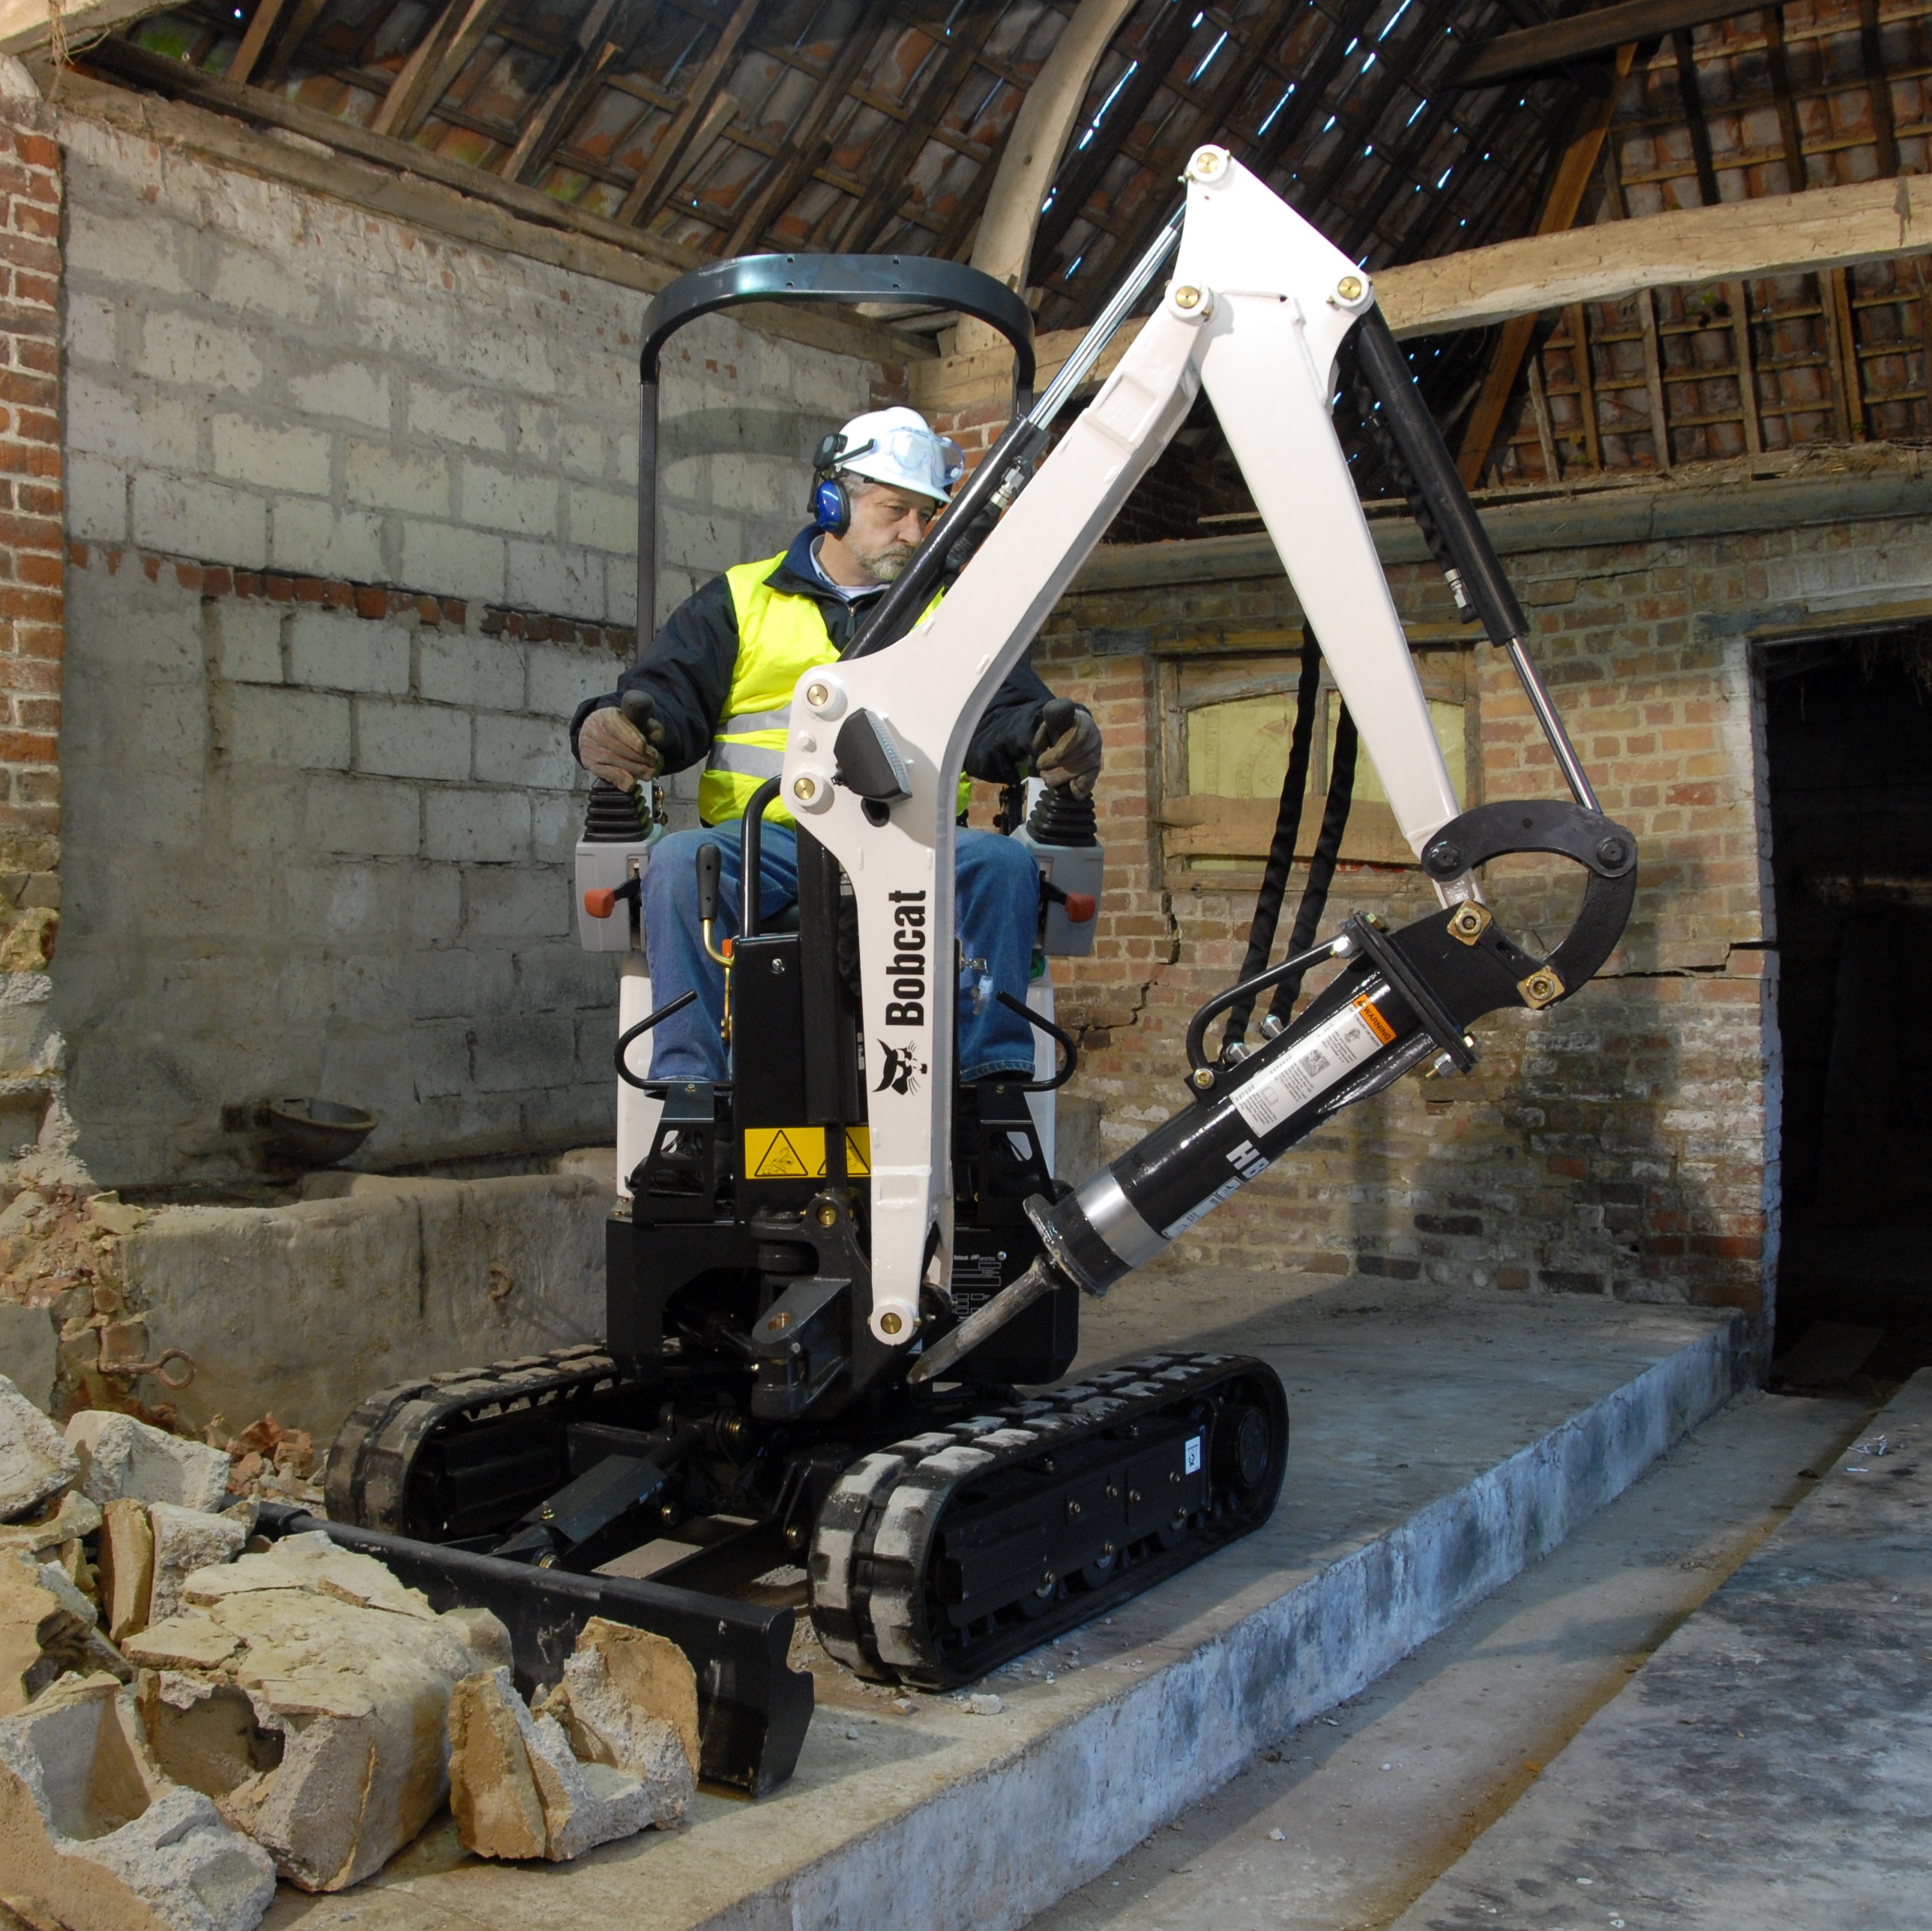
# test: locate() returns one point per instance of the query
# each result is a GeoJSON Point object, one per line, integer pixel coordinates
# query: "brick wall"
{"type": "Point", "coordinates": [1624, 1142]}
{"type": "Point", "coordinates": [30, 616]}
{"type": "Point", "coordinates": [353, 525]}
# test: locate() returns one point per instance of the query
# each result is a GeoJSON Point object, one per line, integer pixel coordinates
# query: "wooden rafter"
{"type": "Point", "coordinates": [296, 21]}
{"type": "Point", "coordinates": [1565, 196]}
{"type": "Point", "coordinates": [656, 178]}
{"type": "Point", "coordinates": [1596, 30]}
{"type": "Point", "coordinates": [1692, 96]}
{"type": "Point", "coordinates": [261, 25]}
{"type": "Point", "coordinates": [572, 81]}
{"type": "Point", "coordinates": [1884, 134]}
{"type": "Point", "coordinates": [1789, 133]}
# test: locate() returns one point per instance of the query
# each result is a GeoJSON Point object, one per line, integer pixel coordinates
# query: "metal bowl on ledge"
{"type": "Point", "coordinates": [315, 1132]}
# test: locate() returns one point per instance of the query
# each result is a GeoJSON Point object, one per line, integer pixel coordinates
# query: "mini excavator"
{"type": "Point", "coordinates": [844, 1290]}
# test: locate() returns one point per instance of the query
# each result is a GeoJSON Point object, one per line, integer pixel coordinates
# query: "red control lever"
{"type": "Point", "coordinates": [601, 902]}
{"type": "Point", "coordinates": [1080, 906]}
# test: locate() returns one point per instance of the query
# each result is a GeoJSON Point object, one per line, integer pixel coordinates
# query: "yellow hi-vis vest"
{"type": "Point", "coordinates": [780, 636]}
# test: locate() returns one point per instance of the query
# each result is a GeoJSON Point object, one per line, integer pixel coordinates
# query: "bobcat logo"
{"type": "Point", "coordinates": [900, 1070]}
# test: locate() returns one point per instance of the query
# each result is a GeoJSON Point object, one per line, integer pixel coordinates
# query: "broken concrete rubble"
{"type": "Point", "coordinates": [34, 1463]}
{"type": "Point", "coordinates": [307, 1692]}
{"type": "Point", "coordinates": [46, 1626]}
{"type": "Point", "coordinates": [121, 1457]}
{"type": "Point", "coordinates": [186, 1540]}
{"type": "Point", "coordinates": [127, 1568]}
{"type": "Point", "coordinates": [628, 1699]}
{"type": "Point", "coordinates": [517, 1790]}
{"type": "Point", "coordinates": [94, 1838]}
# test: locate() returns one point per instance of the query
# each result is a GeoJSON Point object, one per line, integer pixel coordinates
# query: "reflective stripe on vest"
{"type": "Point", "coordinates": [780, 636]}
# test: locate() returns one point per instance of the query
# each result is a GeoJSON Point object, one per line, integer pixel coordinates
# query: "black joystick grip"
{"type": "Point", "coordinates": [708, 859]}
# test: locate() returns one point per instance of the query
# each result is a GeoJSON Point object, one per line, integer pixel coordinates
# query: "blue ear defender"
{"type": "Point", "coordinates": [831, 506]}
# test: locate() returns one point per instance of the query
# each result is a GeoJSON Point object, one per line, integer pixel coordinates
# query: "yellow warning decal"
{"type": "Point", "coordinates": [798, 1153]}
{"type": "Point", "coordinates": [1370, 1014]}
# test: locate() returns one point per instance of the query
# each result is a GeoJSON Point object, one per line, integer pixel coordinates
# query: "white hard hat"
{"type": "Point", "coordinates": [894, 447]}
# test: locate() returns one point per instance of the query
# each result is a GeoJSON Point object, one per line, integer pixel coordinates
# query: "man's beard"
{"type": "Point", "coordinates": [889, 563]}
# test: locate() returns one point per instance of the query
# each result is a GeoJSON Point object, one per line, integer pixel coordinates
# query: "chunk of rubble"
{"type": "Point", "coordinates": [628, 1699]}
{"type": "Point", "coordinates": [93, 1837]}
{"type": "Point", "coordinates": [122, 1458]}
{"type": "Point", "coordinates": [307, 1692]}
{"type": "Point", "coordinates": [186, 1540]}
{"type": "Point", "coordinates": [47, 1627]}
{"type": "Point", "coordinates": [54, 1535]}
{"type": "Point", "coordinates": [35, 1464]}
{"type": "Point", "coordinates": [127, 1568]}
{"type": "Point", "coordinates": [517, 1790]}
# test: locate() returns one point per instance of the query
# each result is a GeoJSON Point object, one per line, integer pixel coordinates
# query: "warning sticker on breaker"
{"type": "Point", "coordinates": [1334, 1050]}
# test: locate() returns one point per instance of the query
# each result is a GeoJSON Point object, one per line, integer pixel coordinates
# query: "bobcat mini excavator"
{"type": "Point", "coordinates": [842, 1288]}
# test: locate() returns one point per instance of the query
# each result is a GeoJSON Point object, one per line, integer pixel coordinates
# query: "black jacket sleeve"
{"type": "Point", "coordinates": [1001, 750]}
{"type": "Point", "coordinates": [686, 668]}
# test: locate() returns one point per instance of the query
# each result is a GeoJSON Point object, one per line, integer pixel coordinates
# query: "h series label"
{"type": "Point", "coordinates": [909, 960]}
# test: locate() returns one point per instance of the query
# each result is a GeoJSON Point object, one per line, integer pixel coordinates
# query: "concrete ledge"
{"type": "Point", "coordinates": [1445, 1439]}
{"type": "Point", "coordinates": [301, 1310]}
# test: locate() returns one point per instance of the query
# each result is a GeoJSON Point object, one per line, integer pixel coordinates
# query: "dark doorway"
{"type": "Point", "coordinates": [1849, 744]}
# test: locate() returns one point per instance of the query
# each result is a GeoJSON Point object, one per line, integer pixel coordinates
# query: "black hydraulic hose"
{"type": "Point", "coordinates": [1295, 965]}
{"type": "Point", "coordinates": [909, 592]}
{"type": "Point", "coordinates": [1281, 851]}
{"type": "Point", "coordinates": [1042, 1023]}
{"type": "Point", "coordinates": [1321, 866]}
{"type": "Point", "coordinates": [750, 855]}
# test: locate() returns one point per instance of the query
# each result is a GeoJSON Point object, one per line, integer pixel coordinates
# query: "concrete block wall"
{"type": "Point", "coordinates": [352, 529]}
{"type": "Point", "coordinates": [1623, 1143]}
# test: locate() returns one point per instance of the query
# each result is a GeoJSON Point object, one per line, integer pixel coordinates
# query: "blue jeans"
{"type": "Point", "coordinates": [996, 904]}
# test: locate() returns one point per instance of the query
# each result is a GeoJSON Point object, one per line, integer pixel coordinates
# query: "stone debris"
{"type": "Point", "coordinates": [516, 1789]}
{"type": "Point", "coordinates": [270, 1461]}
{"type": "Point", "coordinates": [628, 1699]}
{"type": "Point", "coordinates": [47, 1627]}
{"type": "Point", "coordinates": [124, 1458]}
{"type": "Point", "coordinates": [307, 1692]}
{"type": "Point", "coordinates": [34, 1463]}
{"type": "Point", "coordinates": [127, 1568]}
{"type": "Point", "coordinates": [186, 1540]}
{"type": "Point", "coordinates": [93, 1837]}
{"type": "Point", "coordinates": [45, 1537]}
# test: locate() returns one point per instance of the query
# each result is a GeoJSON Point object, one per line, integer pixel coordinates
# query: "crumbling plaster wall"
{"type": "Point", "coordinates": [1625, 1143]}
{"type": "Point", "coordinates": [352, 529]}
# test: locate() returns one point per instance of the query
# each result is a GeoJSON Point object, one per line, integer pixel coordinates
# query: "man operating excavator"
{"type": "Point", "coordinates": [716, 683]}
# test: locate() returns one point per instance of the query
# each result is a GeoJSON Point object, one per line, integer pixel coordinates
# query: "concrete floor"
{"type": "Point", "coordinates": [1349, 1819]}
{"type": "Point", "coordinates": [1442, 1439]}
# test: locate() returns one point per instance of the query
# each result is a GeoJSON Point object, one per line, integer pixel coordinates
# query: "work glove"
{"type": "Point", "coordinates": [1067, 747]}
{"type": "Point", "coordinates": [623, 747]}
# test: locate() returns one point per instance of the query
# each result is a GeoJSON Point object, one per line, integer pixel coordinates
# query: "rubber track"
{"type": "Point", "coordinates": [369, 1462]}
{"type": "Point", "coordinates": [878, 1529]}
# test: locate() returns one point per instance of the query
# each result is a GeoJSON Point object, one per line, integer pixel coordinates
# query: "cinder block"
{"type": "Point", "coordinates": [317, 539]}
{"type": "Point", "coordinates": [508, 1055]}
{"type": "Point", "coordinates": [507, 901]}
{"type": "Point", "coordinates": [97, 500]}
{"type": "Point", "coordinates": [94, 327]}
{"type": "Point", "coordinates": [197, 353]}
{"type": "Point", "coordinates": [484, 673]}
{"type": "Point", "coordinates": [247, 641]}
{"type": "Point", "coordinates": [476, 825]}
{"type": "Point", "coordinates": [452, 562]}
{"type": "Point", "coordinates": [627, 459]}
{"type": "Point", "coordinates": [375, 818]}
{"type": "Point", "coordinates": [434, 906]}
{"type": "Point", "coordinates": [116, 249]}
{"type": "Point", "coordinates": [459, 983]}
{"type": "Point", "coordinates": [547, 577]}
{"type": "Point", "coordinates": [605, 521]}
{"type": "Point", "coordinates": [249, 451]}
{"type": "Point", "coordinates": [198, 519]}
{"type": "Point", "coordinates": [525, 751]}
{"type": "Point", "coordinates": [504, 355]}
{"type": "Point", "coordinates": [765, 485]}
{"type": "Point", "coordinates": [375, 473]}
{"type": "Point", "coordinates": [478, 422]}
{"type": "Point", "coordinates": [560, 678]}
{"type": "Point", "coordinates": [702, 540]}
{"type": "Point", "coordinates": [352, 903]}
{"type": "Point", "coordinates": [351, 390]}
{"type": "Point", "coordinates": [150, 431]}
{"type": "Point", "coordinates": [439, 1059]}
{"type": "Point", "coordinates": [620, 590]}
{"type": "Point", "coordinates": [412, 740]}
{"type": "Point", "coordinates": [244, 279]}
{"type": "Point", "coordinates": [502, 500]}
{"type": "Point", "coordinates": [557, 823]}
{"type": "Point", "coordinates": [333, 650]}
{"type": "Point", "coordinates": [552, 978]}
{"type": "Point", "coordinates": [581, 450]}
{"type": "Point", "coordinates": [271, 726]}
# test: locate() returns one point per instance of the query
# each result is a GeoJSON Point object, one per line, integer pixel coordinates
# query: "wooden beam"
{"type": "Point", "coordinates": [1567, 189]}
{"type": "Point", "coordinates": [261, 25]}
{"type": "Point", "coordinates": [1692, 96]}
{"type": "Point", "coordinates": [287, 37]}
{"type": "Point", "coordinates": [1582, 35]}
{"type": "Point", "coordinates": [1789, 131]}
{"type": "Point", "coordinates": [1737, 294]}
{"type": "Point", "coordinates": [572, 81]}
{"type": "Point", "coordinates": [1586, 384]}
{"type": "Point", "coordinates": [677, 138]}
{"type": "Point", "coordinates": [1653, 376]}
{"type": "Point", "coordinates": [1041, 130]}
{"type": "Point", "coordinates": [1879, 85]}
{"type": "Point", "coordinates": [26, 26]}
